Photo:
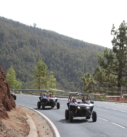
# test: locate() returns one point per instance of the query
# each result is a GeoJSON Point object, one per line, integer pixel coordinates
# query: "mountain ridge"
{"type": "Point", "coordinates": [68, 58]}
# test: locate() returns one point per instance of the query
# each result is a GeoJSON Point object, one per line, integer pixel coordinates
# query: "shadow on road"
{"type": "Point", "coordinates": [45, 109]}
{"type": "Point", "coordinates": [75, 121]}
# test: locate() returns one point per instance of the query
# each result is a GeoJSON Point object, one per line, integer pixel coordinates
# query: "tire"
{"type": "Point", "coordinates": [14, 97]}
{"type": "Point", "coordinates": [94, 116]}
{"type": "Point", "coordinates": [43, 105]}
{"type": "Point", "coordinates": [66, 114]}
{"type": "Point", "coordinates": [58, 105]}
{"type": "Point", "coordinates": [70, 116]}
{"type": "Point", "coordinates": [38, 104]}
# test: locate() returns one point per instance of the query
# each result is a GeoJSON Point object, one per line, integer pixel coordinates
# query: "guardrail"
{"type": "Point", "coordinates": [35, 90]}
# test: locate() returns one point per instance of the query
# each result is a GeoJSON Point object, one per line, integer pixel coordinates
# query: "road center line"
{"type": "Point", "coordinates": [117, 125]}
{"type": "Point", "coordinates": [112, 108]}
{"type": "Point", "coordinates": [103, 119]}
{"type": "Point", "coordinates": [106, 107]}
{"type": "Point", "coordinates": [122, 111]}
{"type": "Point", "coordinates": [111, 122]}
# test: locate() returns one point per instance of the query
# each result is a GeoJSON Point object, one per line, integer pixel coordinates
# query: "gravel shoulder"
{"type": "Point", "coordinates": [17, 124]}
{"type": "Point", "coordinates": [43, 128]}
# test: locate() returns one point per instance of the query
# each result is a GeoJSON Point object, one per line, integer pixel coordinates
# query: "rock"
{"type": "Point", "coordinates": [7, 102]}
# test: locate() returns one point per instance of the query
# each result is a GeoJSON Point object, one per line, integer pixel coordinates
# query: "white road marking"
{"type": "Point", "coordinates": [48, 121]}
{"type": "Point", "coordinates": [106, 107]}
{"type": "Point", "coordinates": [112, 122]}
{"type": "Point", "coordinates": [122, 111]}
{"type": "Point", "coordinates": [117, 125]}
{"type": "Point", "coordinates": [103, 119]}
{"type": "Point", "coordinates": [112, 109]}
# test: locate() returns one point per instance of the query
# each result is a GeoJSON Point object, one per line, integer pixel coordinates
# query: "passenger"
{"type": "Point", "coordinates": [84, 100]}
{"type": "Point", "coordinates": [50, 95]}
{"type": "Point", "coordinates": [74, 101]}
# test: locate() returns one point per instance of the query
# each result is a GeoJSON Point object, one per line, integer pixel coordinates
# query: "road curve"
{"type": "Point", "coordinates": [111, 121]}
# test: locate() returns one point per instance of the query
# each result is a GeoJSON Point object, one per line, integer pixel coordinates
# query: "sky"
{"type": "Point", "coordinates": [87, 20]}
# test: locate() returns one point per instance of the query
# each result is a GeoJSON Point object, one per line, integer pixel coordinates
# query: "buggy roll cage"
{"type": "Point", "coordinates": [45, 91]}
{"type": "Point", "coordinates": [78, 94]}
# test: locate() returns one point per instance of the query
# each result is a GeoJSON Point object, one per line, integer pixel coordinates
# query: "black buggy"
{"type": "Point", "coordinates": [80, 108]}
{"type": "Point", "coordinates": [47, 101]}
{"type": "Point", "coordinates": [13, 95]}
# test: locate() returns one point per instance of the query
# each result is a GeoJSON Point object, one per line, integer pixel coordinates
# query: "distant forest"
{"type": "Point", "coordinates": [69, 59]}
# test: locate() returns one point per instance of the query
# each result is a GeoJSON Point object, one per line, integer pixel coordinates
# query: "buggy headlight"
{"type": "Point", "coordinates": [78, 107]}
{"type": "Point", "coordinates": [87, 107]}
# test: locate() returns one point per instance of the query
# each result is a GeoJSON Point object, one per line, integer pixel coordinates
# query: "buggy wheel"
{"type": "Point", "coordinates": [66, 114]}
{"type": "Point", "coordinates": [38, 104]}
{"type": "Point", "coordinates": [94, 116]}
{"type": "Point", "coordinates": [14, 97]}
{"type": "Point", "coordinates": [43, 105]}
{"type": "Point", "coordinates": [58, 105]}
{"type": "Point", "coordinates": [70, 116]}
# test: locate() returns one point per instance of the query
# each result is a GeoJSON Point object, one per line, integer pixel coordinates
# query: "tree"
{"type": "Point", "coordinates": [40, 75]}
{"type": "Point", "coordinates": [51, 80]}
{"type": "Point", "coordinates": [22, 45]}
{"type": "Point", "coordinates": [114, 62]}
{"type": "Point", "coordinates": [88, 82]}
{"type": "Point", "coordinates": [111, 71]}
{"type": "Point", "coordinates": [11, 79]}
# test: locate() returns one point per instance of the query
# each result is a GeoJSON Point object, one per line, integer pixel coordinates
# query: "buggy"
{"type": "Point", "coordinates": [80, 108]}
{"type": "Point", "coordinates": [13, 95]}
{"type": "Point", "coordinates": [47, 101]}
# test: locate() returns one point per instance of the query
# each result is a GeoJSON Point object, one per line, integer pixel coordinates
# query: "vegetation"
{"type": "Point", "coordinates": [111, 73]}
{"type": "Point", "coordinates": [51, 80]}
{"type": "Point", "coordinates": [68, 58]}
{"type": "Point", "coordinates": [88, 83]}
{"type": "Point", "coordinates": [11, 79]}
{"type": "Point", "coordinates": [40, 76]}
{"type": "Point", "coordinates": [43, 79]}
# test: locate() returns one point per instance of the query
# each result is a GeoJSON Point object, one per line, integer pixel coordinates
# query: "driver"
{"type": "Point", "coordinates": [84, 100]}
{"type": "Point", "coordinates": [50, 95]}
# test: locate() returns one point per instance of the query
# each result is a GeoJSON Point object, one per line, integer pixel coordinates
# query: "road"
{"type": "Point", "coordinates": [111, 118]}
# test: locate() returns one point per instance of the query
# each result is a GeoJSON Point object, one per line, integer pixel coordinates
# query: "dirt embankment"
{"type": "Point", "coordinates": [12, 119]}
{"type": "Point", "coordinates": [7, 103]}
{"type": "Point", "coordinates": [16, 125]}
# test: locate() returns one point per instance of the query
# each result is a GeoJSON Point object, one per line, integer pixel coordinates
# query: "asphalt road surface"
{"type": "Point", "coordinates": [111, 118]}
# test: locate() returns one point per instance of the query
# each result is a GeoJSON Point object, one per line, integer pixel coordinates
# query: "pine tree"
{"type": "Point", "coordinates": [114, 62]}
{"type": "Point", "coordinates": [52, 80]}
{"type": "Point", "coordinates": [88, 82]}
{"type": "Point", "coordinates": [40, 75]}
{"type": "Point", "coordinates": [11, 79]}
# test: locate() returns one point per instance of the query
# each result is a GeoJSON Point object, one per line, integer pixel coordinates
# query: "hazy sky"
{"type": "Point", "coordinates": [87, 20]}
